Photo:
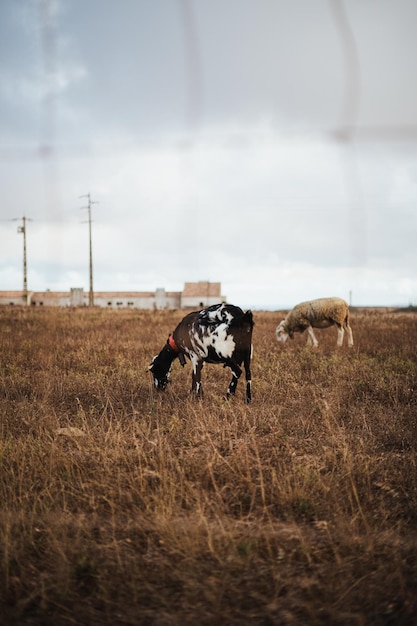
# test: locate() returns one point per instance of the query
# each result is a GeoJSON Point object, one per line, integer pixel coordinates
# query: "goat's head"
{"type": "Point", "coordinates": [282, 332]}
{"type": "Point", "coordinates": [160, 372]}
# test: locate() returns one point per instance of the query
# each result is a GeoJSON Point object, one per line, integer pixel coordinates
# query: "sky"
{"type": "Point", "coordinates": [270, 145]}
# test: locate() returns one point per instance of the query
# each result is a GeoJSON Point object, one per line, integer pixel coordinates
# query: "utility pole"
{"type": "Point", "coordinates": [88, 207]}
{"type": "Point", "coordinates": [22, 229]}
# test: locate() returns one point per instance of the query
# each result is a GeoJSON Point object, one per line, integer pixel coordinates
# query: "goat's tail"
{"type": "Point", "coordinates": [248, 319]}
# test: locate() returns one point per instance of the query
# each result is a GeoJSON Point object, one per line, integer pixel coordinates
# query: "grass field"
{"type": "Point", "coordinates": [120, 505]}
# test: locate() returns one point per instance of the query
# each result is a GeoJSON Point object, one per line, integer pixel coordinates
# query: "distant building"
{"type": "Point", "coordinates": [195, 296]}
{"type": "Point", "coordinates": [201, 294]}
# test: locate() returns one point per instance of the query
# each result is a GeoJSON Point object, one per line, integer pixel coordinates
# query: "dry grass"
{"type": "Point", "coordinates": [120, 505]}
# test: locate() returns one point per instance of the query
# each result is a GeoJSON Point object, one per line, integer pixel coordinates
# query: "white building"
{"type": "Point", "coordinates": [195, 296]}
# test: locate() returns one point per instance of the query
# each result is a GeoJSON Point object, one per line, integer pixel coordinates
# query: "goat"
{"type": "Point", "coordinates": [320, 313]}
{"type": "Point", "coordinates": [221, 333]}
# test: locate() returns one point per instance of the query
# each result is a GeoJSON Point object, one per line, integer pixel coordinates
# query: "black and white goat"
{"type": "Point", "coordinates": [222, 333]}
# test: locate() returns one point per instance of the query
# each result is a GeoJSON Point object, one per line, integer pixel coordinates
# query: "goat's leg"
{"type": "Point", "coordinates": [237, 372]}
{"type": "Point", "coordinates": [248, 374]}
{"type": "Point", "coordinates": [196, 379]}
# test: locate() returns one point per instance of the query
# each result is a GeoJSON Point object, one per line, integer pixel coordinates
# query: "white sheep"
{"type": "Point", "coordinates": [320, 313]}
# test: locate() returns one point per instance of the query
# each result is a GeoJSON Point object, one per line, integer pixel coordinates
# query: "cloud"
{"type": "Point", "coordinates": [219, 209]}
{"type": "Point", "coordinates": [208, 138]}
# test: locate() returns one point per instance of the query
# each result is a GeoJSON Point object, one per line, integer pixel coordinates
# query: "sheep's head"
{"type": "Point", "coordinates": [160, 373]}
{"type": "Point", "coordinates": [282, 332]}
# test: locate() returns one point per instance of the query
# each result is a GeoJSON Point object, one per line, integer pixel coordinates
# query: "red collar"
{"type": "Point", "coordinates": [172, 343]}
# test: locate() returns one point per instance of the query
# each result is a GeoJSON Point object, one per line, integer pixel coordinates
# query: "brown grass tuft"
{"type": "Point", "coordinates": [120, 505]}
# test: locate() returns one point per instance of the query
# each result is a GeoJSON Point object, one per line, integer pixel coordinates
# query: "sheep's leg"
{"type": "Point", "coordinates": [237, 372]}
{"type": "Point", "coordinates": [340, 335]}
{"type": "Point", "coordinates": [196, 379]}
{"type": "Point", "coordinates": [311, 339]}
{"type": "Point", "coordinates": [349, 336]}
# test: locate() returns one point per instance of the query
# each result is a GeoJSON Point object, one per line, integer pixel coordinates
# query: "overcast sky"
{"type": "Point", "coordinates": [270, 145]}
